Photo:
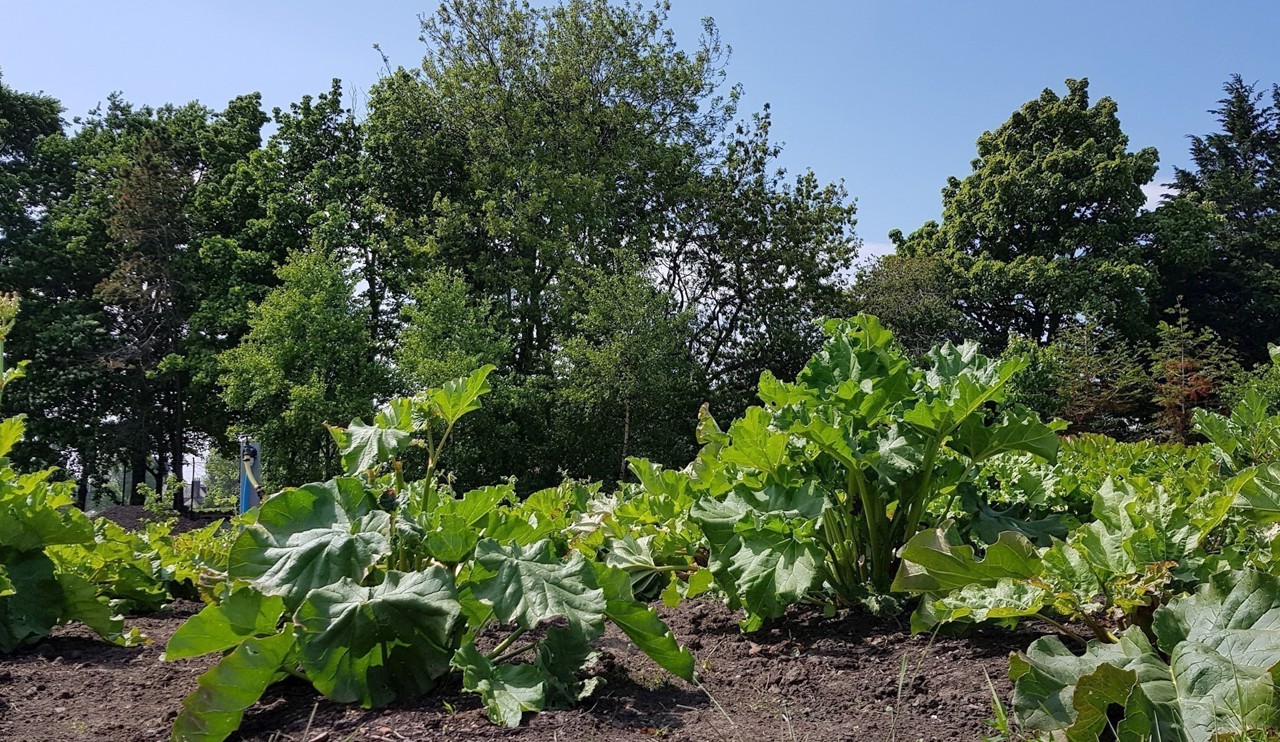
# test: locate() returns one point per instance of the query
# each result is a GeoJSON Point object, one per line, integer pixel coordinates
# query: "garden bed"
{"type": "Point", "coordinates": [805, 678]}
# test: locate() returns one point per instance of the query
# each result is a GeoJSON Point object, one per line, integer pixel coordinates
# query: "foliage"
{"type": "Point", "coordinates": [1046, 227]}
{"type": "Point", "coordinates": [1145, 544]}
{"type": "Point", "coordinates": [1209, 674]}
{"type": "Point", "coordinates": [37, 514]}
{"type": "Point", "coordinates": [1089, 376]}
{"type": "Point", "coordinates": [373, 586]}
{"type": "Point", "coordinates": [222, 482]}
{"type": "Point", "coordinates": [284, 380]}
{"type": "Point", "coordinates": [141, 571]}
{"type": "Point", "coordinates": [911, 295]}
{"type": "Point", "coordinates": [1214, 245]}
{"type": "Point", "coordinates": [1189, 366]}
{"type": "Point", "coordinates": [824, 483]}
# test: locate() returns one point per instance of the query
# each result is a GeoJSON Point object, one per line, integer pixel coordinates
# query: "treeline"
{"type": "Point", "coordinates": [569, 195]}
{"type": "Point", "coordinates": [1132, 317]}
{"type": "Point", "coordinates": [562, 192]}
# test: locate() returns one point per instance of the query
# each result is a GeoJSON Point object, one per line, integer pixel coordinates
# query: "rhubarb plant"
{"type": "Point", "coordinates": [1145, 544]}
{"type": "Point", "coordinates": [37, 516]}
{"type": "Point", "coordinates": [374, 586]}
{"type": "Point", "coordinates": [816, 490]}
{"type": "Point", "coordinates": [1209, 673]}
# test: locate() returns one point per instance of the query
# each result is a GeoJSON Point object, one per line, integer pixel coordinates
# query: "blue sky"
{"type": "Point", "coordinates": [889, 96]}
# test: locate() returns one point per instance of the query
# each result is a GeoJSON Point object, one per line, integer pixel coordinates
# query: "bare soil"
{"type": "Point", "coordinates": [806, 678]}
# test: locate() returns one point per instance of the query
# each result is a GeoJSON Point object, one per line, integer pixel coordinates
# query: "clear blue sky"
{"type": "Point", "coordinates": [889, 96]}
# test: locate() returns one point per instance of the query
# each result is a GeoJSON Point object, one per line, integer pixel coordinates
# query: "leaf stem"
{"type": "Point", "coordinates": [502, 645]}
{"type": "Point", "coordinates": [1061, 627]}
{"type": "Point", "coordinates": [514, 653]}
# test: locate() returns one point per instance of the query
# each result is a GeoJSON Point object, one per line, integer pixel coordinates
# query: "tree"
{"type": "Point", "coordinates": [542, 149]}
{"type": "Point", "coordinates": [1217, 243]}
{"type": "Point", "coordinates": [1047, 226]}
{"type": "Point", "coordinates": [756, 261]}
{"type": "Point", "coordinates": [576, 126]}
{"type": "Point", "coordinates": [631, 384]}
{"type": "Point", "coordinates": [1190, 367]}
{"type": "Point", "coordinates": [1090, 376]}
{"type": "Point", "coordinates": [910, 295]}
{"type": "Point", "coordinates": [306, 361]}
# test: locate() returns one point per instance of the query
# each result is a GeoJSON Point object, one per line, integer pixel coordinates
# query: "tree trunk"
{"type": "Point", "coordinates": [137, 474]}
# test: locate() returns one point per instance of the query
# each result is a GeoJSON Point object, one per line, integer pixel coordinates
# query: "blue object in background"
{"type": "Point", "coordinates": [250, 474]}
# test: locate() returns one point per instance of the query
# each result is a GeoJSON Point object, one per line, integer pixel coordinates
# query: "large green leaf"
{"type": "Point", "coordinates": [365, 447]}
{"type": "Point", "coordinates": [226, 690]}
{"type": "Point", "coordinates": [311, 537]}
{"type": "Point", "coordinates": [1017, 430]}
{"type": "Point", "coordinates": [374, 644]}
{"type": "Point", "coordinates": [460, 396]}
{"type": "Point", "coordinates": [562, 654]}
{"type": "Point", "coordinates": [35, 513]}
{"type": "Point", "coordinates": [508, 691]}
{"type": "Point", "coordinates": [36, 603]}
{"type": "Point", "coordinates": [528, 585]}
{"type": "Point", "coordinates": [1223, 650]}
{"type": "Point", "coordinates": [755, 444]}
{"type": "Point", "coordinates": [1057, 691]}
{"type": "Point", "coordinates": [12, 430]}
{"type": "Point", "coordinates": [243, 614]}
{"type": "Point", "coordinates": [81, 602]}
{"type": "Point", "coordinates": [1258, 493]}
{"type": "Point", "coordinates": [642, 624]}
{"type": "Point", "coordinates": [767, 566]}
{"type": "Point", "coordinates": [938, 560]}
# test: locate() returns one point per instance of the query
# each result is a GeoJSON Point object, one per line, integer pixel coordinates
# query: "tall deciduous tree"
{"type": "Point", "coordinates": [1047, 226]}
{"type": "Point", "coordinates": [306, 361]}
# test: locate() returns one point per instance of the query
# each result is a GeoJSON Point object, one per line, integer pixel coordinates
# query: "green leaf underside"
{"type": "Point", "coordinates": [229, 688]}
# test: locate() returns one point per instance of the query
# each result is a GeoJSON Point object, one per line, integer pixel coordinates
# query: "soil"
{"type": "Point", "coordinates": [136, 518]}
{"type": "Point", "coordinates": [807, 678]}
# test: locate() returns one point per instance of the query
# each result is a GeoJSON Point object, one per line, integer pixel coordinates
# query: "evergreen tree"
{"type": "Point", "coordinates": [1217, 243]}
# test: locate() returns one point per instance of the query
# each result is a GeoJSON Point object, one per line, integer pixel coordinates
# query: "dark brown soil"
{"type": "Point", "coordinates": [808, 678]}
{"type": "Point", "coordinates": [136, 518]}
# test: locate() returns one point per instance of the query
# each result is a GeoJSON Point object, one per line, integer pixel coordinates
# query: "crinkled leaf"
{"type": "Point", "coordinates": [1223, 646]}
{"type": "Point", "coordinates": [988, 523]}
{"type": "Point", "coordinates": [1005, 599]}
{"type": "Point", "coordinates": [508, 691]}
{"type": "Point", "coordinates": [529, 585]}
{"type": "Point", "coordinates": [365, 447]}
{"type": "Point", "coordinates": [1017, 430]}
{"type": "Point", "coordinates": [635, 557]}
{"type": "Point", "coordinates": [453, 542]}
{"type": "Point", "coordinates": [766, 568]}
{"type": "Point", "coordinates": [561, 657]}
{"type": "Point", "coordinates": [477, 504]}
{"type": "Point", "coordinates": [372, 645]}
{"type": "Point", "coordinates": [460, 396]}
{"type": "Point", "coordinates": [310, 537]}
{"type": "Point", "coordinates": [755, 444]}
{"type": "Point", "coordinates": [12, 431]}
